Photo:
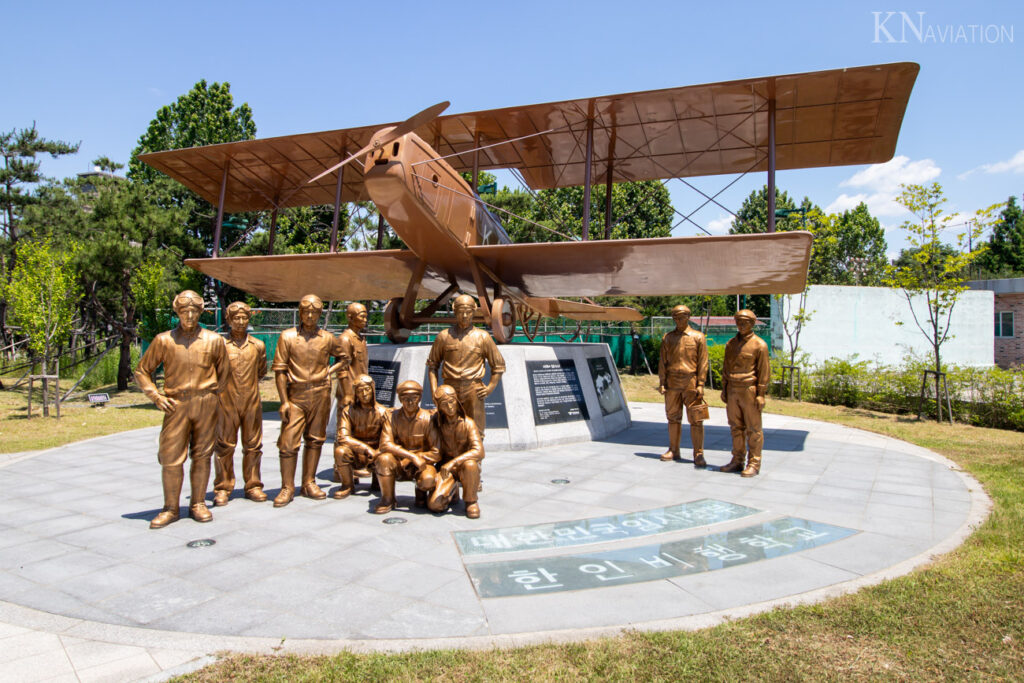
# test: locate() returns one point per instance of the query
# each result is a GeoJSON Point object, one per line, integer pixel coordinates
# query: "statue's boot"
{"type": "Point", "coordinates": [675, 431]}
{"type": "Point", "coordinates": [753, 466]}
{"type": "Point", "coordinates": [172, 478]}
{"type": "Point", "coordinates": [470, 479]}
{"type": "Point", "coordinates": [347, 481]}
{"type": "Point", "coordinates": [387, 494]}
{"type": "Point", "coordinates": [310, 460]}
{"type": "Point", "coordinates": [199, 478]}
{"type": "Point", "coordinates": [287, 492]}
{"type": "Point", "coordinates": [735, 465]}
{"type": "Point", "coordinates": [697, 439]}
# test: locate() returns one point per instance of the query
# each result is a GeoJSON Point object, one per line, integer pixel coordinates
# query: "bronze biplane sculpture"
{"type": "Point", "coordinates": [412, 173]}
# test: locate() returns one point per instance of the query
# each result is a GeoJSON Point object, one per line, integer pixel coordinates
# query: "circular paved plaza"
{"type": "Point", "coordinates": [574, 541]}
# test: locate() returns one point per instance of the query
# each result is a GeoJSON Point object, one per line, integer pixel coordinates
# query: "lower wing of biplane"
{"type": "Point", "coordinates": [520, 282]}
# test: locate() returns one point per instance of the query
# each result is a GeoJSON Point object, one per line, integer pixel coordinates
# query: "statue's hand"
{"type": "Point", "coordinates": [286, 412]}
{"type": "Point", "coordinates": [760, 402]}
{"type": "Point", "coordinates": [165, 403]}
{"type": "Point", "coordinates": [700, 393]}
{"type": "Point", "coordinates": [725, 399]}
{"type": "Point", "coordinates": [661, 389]}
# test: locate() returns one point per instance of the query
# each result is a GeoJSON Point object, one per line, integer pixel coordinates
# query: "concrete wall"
{"type": "Point", "coordinates": [863, 321]}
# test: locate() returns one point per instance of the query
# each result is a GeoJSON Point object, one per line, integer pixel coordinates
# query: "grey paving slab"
{"type": "Point", "coordinates": [76, 547]}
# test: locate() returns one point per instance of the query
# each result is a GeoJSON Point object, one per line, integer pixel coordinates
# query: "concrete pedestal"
{"type": "Point", "coordinates": [549, 394]}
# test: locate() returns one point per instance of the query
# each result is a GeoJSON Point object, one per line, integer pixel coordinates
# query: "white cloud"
{"type": "Point", "coordinates": [880, 184]}
{"type": "Point", "coordinates": [1014, 164]}
{"type": "Point", "coordinates": [889, 176]}
{"type": "Point", "coordinates": [720, 225]}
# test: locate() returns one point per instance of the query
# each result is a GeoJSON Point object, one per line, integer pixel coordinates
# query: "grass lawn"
{"type": "Point", "coordinates": [961, 617]}
{"type": "Point", "coordinates": [129, 409]}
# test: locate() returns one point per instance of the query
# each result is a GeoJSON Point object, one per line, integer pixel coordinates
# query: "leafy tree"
{"type": "Point", "coordinates": [126, 230]}
{"type": "Point", "coordinates": [205, 115]}
{"type": "Point", "coordinates": [934, 270]}
{"type": "Point", "coordinates": [1005, 255]}
{"type": "Point", "coordinates": [849, 249]}
{"type": "Point", "coordinates": [20, 172]}
{"type": "Point", "coordinates": [752, 216]}
{"type": "Point", "coordinates": [105, 163]}
{"type": "Point", "coordinates": [43, 293]}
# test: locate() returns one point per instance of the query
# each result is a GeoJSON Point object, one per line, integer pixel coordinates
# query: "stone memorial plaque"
{"type": "Point", "coordinates": [494, 404]}
{"type": "Point", "coordinates": [559, 573]}
{"type": "Point", "coordinates": [556, 392]}
{"type": "Point", "coordinates": [609, 396]}
{"type": "Point", "coordinates": [600, 529]}
{"type": "Point", "coordinates": [385, 376]}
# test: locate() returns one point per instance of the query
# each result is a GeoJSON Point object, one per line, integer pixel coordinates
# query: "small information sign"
{"type": "Point", "coordinates": [385, 376]}
{"type": "Point", "coordinates": [556, 392]}
{"type": "Point", "coordinates": [98, 399]}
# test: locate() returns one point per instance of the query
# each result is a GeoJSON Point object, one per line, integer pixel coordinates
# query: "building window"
{"type": "Point", "coordinates": [1004, 324]}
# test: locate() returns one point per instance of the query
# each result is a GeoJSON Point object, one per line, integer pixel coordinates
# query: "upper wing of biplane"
{"type": "Point", "coordinates": [823, 118]}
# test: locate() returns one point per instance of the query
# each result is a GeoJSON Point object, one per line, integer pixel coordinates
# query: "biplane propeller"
{"type": "Point", "coordinates": [412, 172]}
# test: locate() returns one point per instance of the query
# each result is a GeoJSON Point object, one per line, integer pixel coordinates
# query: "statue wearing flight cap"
{"type": "Point", "coordinates": [745, 376]}
{"type": "Point", "coordinates": [241, 408]}
{"type": "Point", "coordinates": [196, 370]}
{"type": "Point", "coordinates": [461, 353]}
{"type": "Point", "coordinates": [303, 380]}
{"type": "Point", "coordinates": [682, 371]}
{"type": "Point", "coordinates": [461, 452]}
{"type": "Point", "coordinates": [408, 448]}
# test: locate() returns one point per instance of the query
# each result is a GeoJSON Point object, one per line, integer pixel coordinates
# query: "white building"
{"type": "Point", "coordinates": [876, 324]}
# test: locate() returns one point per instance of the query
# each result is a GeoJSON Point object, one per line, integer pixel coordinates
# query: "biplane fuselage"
{"type": "Point", "coordinates": [430, 206]}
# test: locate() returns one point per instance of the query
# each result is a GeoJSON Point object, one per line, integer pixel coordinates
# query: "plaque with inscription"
{"type": "Point", "coordinates": [385, 376]}
{"type": "Point", "coordinates": [600, 529]}
{"type": "Point", "coordinates": [553, 574]}
{"type": "Point", "coordinates": [556, 391]}
{"type": "Point", "coordinates": [494, 404]}
{"type": "Point", "coordinates": [609, 396]}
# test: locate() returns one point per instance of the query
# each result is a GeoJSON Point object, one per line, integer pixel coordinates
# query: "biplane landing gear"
{"type": "Point", "coordinates": [393, 322]}
{"type": "Point", "coordinates": [503, 320]}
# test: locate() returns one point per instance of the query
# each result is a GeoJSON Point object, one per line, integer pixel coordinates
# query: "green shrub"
{"type": "Point", "coordinates": [987, 397]}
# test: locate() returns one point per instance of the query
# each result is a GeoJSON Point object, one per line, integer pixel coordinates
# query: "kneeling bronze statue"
{"type": "Point", "coordinates": [461, 452]}
{"type": "Point", "coordinates": [359, 429]}
{"type": "Point", "coordinates": [408, 449]}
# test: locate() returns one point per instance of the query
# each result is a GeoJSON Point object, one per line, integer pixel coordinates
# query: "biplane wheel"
{"type": "Point", "coordinates": [393, 323]}
{"type": "Point", "coordinates": [503, 320]}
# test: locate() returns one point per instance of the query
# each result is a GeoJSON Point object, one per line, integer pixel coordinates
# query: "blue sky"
{"type": "Point", "coordinates": [97, 72]}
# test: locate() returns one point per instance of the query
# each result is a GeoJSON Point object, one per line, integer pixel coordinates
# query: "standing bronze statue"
{"type": "Point", "coordinates": [353, 346]}
{"type": "Point", "coordinates": [682, 371]}
{"type": "Point", "coordinates": [408, 448]}
{"type": "Point", "coordinates": [461, 352]}
{"type": "Point", "coordinates": [196, 370]}
{"type": "Point", "coordinates": [241, 408]}
{"type": "Point", "coordinates": [745, 376]}
{"type": "Point", "coordinates": [303, 380]}
{"type": "Point", "coordinates": [359, 429]}
{"type": "Point", "coordinates": [461, 452]}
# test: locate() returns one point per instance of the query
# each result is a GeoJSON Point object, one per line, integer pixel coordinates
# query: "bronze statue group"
{"type": "Point", "coordinates": [211, 393]}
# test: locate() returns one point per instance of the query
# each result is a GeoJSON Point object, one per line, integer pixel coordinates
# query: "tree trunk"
{"type": "Point", "coordinates": [46, 401]}
{"type": "Point", "coordinates": [938, 400]}
{"type": "Point", "coordinates": [124, 366]}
